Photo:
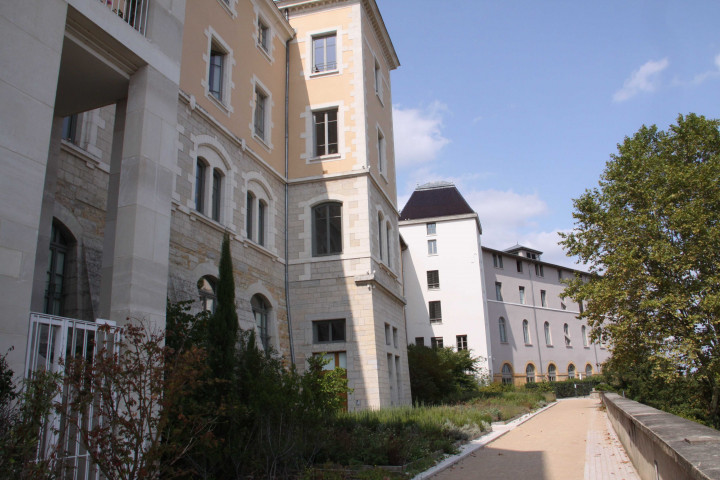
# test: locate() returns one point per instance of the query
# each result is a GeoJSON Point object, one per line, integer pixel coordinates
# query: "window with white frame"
{"type": "Point", "coordinates": [588, 370]}
{"type": "Point", "coordinates": [388, 242]}
{"type": "Point", "coordinates": [388, 335]}
{"type": "Point", "coordinates": [433, 279]}
{"type": "Point", "coordinates": [526, 332]}
{"type": "Point", "coordinates": [256, 213]}
{"type": "Point", "coordinates": [543, 298]}
{"type": "Point", "coordinates": [381, 151]}
{"type": "Point", "coordinates": [539, 270]}
{"type": "Point", "coordinates": [502, 327]}
{"type": "Point", "coordinates": [328, 331]}
{"type": "Point", "coordinates": [436, 342]}
{"type": "Point", "coordinates": [261, 113]}
{"type": "Point", "coordinates": [566, 331]}
{"type": "Point", "coordinates": [263, 39]}
{"type": "Point", "coordinates": [519, 266]}
{"type": "Point", "coordinates": [431, 228]}
{"type": "Point", "coordinates": [201, 168]}
{"type": "Point", "coordinates": [521, 292]}
{"type": "Point", "coordinates": [217, 70]}
{"type": "Point", "coordinates": [432, 247]}
{"type": "Point", "coordinates": [552, 372]}
{"type": "Point", "coordinates": [497, 260]}
{"type": "Point", "coordinates": [461, 342]}
{"type": "Point", "coordinates": [498, 291]}
{"type": "Point", "coordinates": [380, 229]}
{"type": "Point", "coordinates": [571, 371]}
{"type": "Point", "coordinates": [548, 336]}
{"type": "Point", "coordinates": [435, 311]}
{"type": "Point", "coordinates": [584, 336]}
{"type": "Point", "coordinates": [327, 229]}
{"type": "Point", "coordinates": [206, 292]}
{"type": "Point", "coordinates": [324, 53]}
{"type": "Point", "coordinates": [325, 132]}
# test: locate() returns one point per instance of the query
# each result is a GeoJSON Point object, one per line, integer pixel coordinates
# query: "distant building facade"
{"type": "Point", "coordinates": [505, 306]}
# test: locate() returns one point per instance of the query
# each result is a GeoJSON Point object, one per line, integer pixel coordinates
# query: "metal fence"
{"type": "Point", "coordinates": [134, 12]}
{"type": "Point", "coordinates": [51, 341]}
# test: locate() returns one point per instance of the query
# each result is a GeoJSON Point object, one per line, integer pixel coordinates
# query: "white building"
{"type": "Point", "coordinates": [505, 306]}
{"type": "Point", "coordinates": [443, 272]}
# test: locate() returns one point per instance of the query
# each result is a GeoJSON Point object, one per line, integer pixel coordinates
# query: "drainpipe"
{"type": "Point", "coordinates": [287, 193]}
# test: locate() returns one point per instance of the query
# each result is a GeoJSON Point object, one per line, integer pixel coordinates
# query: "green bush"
{"type": "Point", "coordinates": [441, 375]}
{"type": "Point", "coordinates": [574, 387]}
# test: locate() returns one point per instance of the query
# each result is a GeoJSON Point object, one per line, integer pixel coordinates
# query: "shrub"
{"type": "Point", "coordinates": [441, 375]}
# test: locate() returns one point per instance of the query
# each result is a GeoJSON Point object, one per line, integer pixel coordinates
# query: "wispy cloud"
{"type": "Point", "coordinates": [644, 79]}
{"type": "Point", "coordinates": [701, 77]}
{"type": "Point", "coordinates": [418, 133]}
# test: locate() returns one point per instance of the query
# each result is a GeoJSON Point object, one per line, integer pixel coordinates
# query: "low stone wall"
{"type": "Point", "coordinates": [663, 446]}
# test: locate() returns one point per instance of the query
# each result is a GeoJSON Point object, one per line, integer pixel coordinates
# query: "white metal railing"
{"type": "Point", "coordinates": [52, 340]}
{"type": "Point", "coordinates": [134, 12]}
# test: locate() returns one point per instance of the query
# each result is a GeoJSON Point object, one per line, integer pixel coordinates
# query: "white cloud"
{"type": "Point", "coordinates": [418, 133]}
{"type": "Point", "coordinates": [701, 77]}
{"type": "Point", "coordinates": [644, 79]}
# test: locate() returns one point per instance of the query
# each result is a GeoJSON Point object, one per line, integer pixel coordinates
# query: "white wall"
{"type": "Point", "coordinates": [458, 262]}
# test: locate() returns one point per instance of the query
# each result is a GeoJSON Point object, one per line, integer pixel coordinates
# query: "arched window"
{"type": "Point", "coordinates": [571, 371]}
{"type": "Point", "coordinates": [548, 337]}
{"type": "Point", "coordinates": [56, 273]}
{"type": "Point", "coordinates": [200, 174]}
{"type": "Point", "coordinates": [507, 375]}
{"type": "Point", "coordinates": [388, 243]}
{"type": "Point", "coordinates": [566, 331]}
{"type": "Point", "coordinates": [381, 246]}
{"type": "Point", "coordinates": [584, 336]}
{"type": "Point", "coordinates": [249, 215]}
{"type": "Point", "coordinates": [216, 194]}
{"type": "Point", "coordinates": [261, 308]}
{"type": "Point", "coordinates": [552, 372]}
{"type": "Point", "coordinates": [503, 330]}
{"type": "Point", "coordinates": [530, 373]}
{"type": "Point", "coordinates": [327, 228]}
{"type": "Point", "coordinates": [262, 214]}
{"type": "Point", "coordinates": [526, 332]}
{"type": "Point", "coordinates": [588, 370]}
{"type": "Point", "coordinates": [206, 292]}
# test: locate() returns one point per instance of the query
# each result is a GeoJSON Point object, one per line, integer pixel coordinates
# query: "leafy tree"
{"type": "Point", "coordinates": [441, 375]}
{"type": "Point", "coordinates": [650, 232]}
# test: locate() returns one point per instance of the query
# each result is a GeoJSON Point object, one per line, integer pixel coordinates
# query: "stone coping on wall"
{"type": "Point", "coordinates": [694, 448]}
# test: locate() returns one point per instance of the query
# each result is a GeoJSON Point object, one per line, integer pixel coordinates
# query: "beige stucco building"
{"type": "Point", "coordinates": [138, 132]}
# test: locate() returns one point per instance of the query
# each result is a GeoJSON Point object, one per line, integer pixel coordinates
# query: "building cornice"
{"type": "Point", "coordinates": [520, 257]}
{"type": "Point", "coordinates": [446, 218]}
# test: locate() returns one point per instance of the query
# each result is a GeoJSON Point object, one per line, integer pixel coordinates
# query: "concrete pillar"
{"type": "Point", "coordinates": [135, 264]}
{"type": "Point", "coordinates": [31, 32]}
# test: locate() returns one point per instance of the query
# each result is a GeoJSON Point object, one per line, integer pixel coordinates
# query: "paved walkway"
{"type": "Point", "coordinates": [570, 440]}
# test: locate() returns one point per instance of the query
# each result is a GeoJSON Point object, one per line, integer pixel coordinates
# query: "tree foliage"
{"type": "Point", "coordinates": [441, 375]}
{"type": "Point", "coordinates": [223, 324]}
{"type": "Point", "coordinates": [650, 232]}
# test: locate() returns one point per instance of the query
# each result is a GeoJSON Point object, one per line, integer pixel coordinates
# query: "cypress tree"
{"type": "Point", "coordinates": [223, 325]}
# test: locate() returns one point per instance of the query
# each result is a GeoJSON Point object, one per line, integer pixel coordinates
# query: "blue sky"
{"type": "Point", "coordinates": [521, 102]}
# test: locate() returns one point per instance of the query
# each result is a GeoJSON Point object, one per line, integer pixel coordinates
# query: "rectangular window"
{"type": "Point", "coordinates": [326, 331]}
{"type": "Point", "coordinates": [200, 186]}
{"type": "Point", "coordinates": [388, 338]}
{"type": "Point", "coordinates": [388, 243]}
{"type": "Point", "coordinates": [436, 342]}
{"type": "Point", "coordinates": [559, 270]}
{"type": "Point", "coordinates": [217, 68]}
{"type": "Point", "coordinates": [581, 307]}
{"type": "Point", "coordinates": [327, 229]}
{"type": "Point", "coordinates": [420, 341]}
{"type": "Point", "coordinates": [539, 270]}
{"type": "Point", "coordinates": [261, 222]}
{"type": "Point", "coordinates": [324, 53]}
{"type": "Point", "coordinates": [519, 266]}
{"type": "Point", "coordinates": [430, 228]}
{"type": "Point", "coordinates": [263, 38]}
{"type": "Point", "coordinates": [522, 295]}
{"type": "Point", "coordinates": [335, 360]}
{"type": "Point", "coordinates": [381, 152]}
{"type": "Point", "coordinates": [260, 113]}
{"type": "Point", "coordinates": [395, 337]}
{"type": "Point", "coordinates": [497, 260]}
{"type": "Point", "coordinates": [326, 132]}
{"type": "Point", "coordinates": [461, 341]}
{"type": "Point", "coordinates": [498, 292]}
{"type": "Point", "coordinates": [378, 80]}
{"type": "Point", "coordinates": [432, 247]}
{"type": "Point", "coordinates": [249, 214]}
{"type": "Point", "coordinates": [543, 298]}
{"type": "Point", "coordinates": [435, 311]}
{"type": "Point", "coordinates": [69, 128]}
{"type": "Point", "coordinates": [433, 279]}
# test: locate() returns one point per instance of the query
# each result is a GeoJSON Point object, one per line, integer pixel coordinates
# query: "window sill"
{"type": "Point", "coordinates": [325, 158]}
{"type": "Point", "coordinates": [379, 97]}
{"type": "Point", "coordinates": [265, 53]}
{"type": "Point", "coordinates": [262, 141]}
{"type": "Point", "coordinates": [436, 322]}
{"type": "Point", "coordinates": [324, 73]}
{"type": "Point", "coordinates": [218, 103]}
{"type": "Point", "coordinates": [229, 9]}
{"type": "Point", "coordinates": [195, 215]}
